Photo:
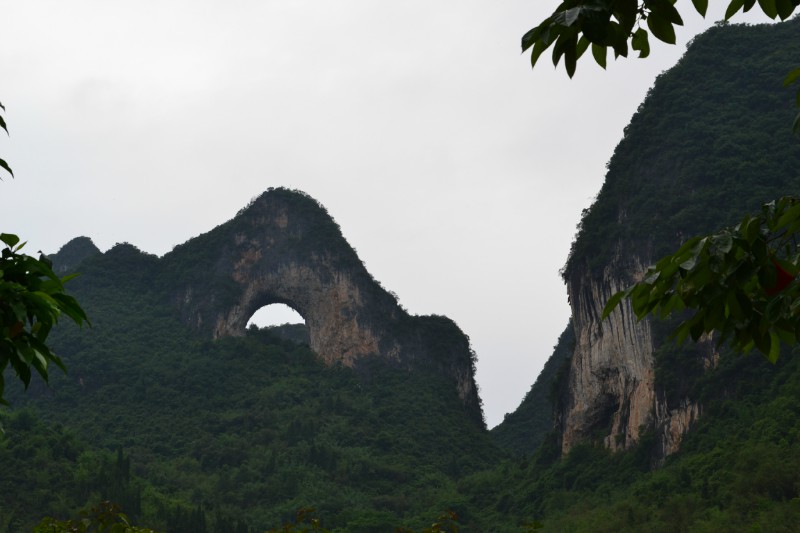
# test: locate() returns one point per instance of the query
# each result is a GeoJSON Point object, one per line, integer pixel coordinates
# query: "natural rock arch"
{"type": "Point", "coordinates": [284, 248]}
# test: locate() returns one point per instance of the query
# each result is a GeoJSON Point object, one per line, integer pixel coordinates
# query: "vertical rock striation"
{"type": "Point", "coordinates": [611, 391]}
{"type": "Point", "coordinates": [710, 142]}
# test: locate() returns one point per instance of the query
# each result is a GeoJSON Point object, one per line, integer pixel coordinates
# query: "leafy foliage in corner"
{"type": "Point", "coordinates": [576, 25]}
{"type": "Point", "coordinates": [32, 298]}
{"type": "Point", "coordinates": [740, 283]}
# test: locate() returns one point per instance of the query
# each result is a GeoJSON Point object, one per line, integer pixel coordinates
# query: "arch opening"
{"type": "Point", "coordinates": [282, 320]}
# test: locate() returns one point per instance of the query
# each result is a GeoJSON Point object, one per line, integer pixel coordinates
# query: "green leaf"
{"type": "Point", "coordinates": [723, 244]}
{"type": "Point", "coordinates": [70, 307]}
{"type": "Point", "coordinates": [790, 215]}
{"type": "Point", "coordinates": [533, 36]}
{"type": "Point", "coordinates": [613, 302]}
{"type": "Point", "coordinates": [665, 9]}
{"type": "Point", "coordinates": [774, 347]}
{"type": "Point", "coordinates": [566, 40]}
{"type": "Point", "coordinates": [618, 38]}
{"type": "Point", "coordinates": [3, 124]}
{"type": "Point", "coordinates": [571, 57]}
{"type": "Point", "coordinates": [21, 368]}
{"type": "Point", "coordinates": [639, 42]}
{"type": "Point", "coordinates": [785, 8]}
{"type": "Point", "coordinates": [791, 77]}
{"type": "Point", "coordinates": [733, 7]}
{"type": "Point", "coordinates": [583, 44]}
{"type": "Point", "coordinates": [9, 239]}
{"type": "Point", "coordinates": [787, 337]}
{"type": "Point", "coordinates": [4, 165]}
{"type": "Point", "coordinates": [661, 28]}
{"type": "Point", "coordinates": [537, 51]}
{"type": "Point", "coordinates": [701, 6]}
{"type": "Point", "coordinates": [768, 7]}
{"type": "Point", "coordinates": [689, 264]}
{"type": "Point", "coordinates": [600, 53]}
{"type": "Point", "coordinates": [571, 15]}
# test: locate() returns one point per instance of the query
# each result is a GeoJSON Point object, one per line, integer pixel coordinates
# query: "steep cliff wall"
{"type": "Point", "coordinates": [699, 153]}
{"type": "Point", "coordinates": [611, 391]}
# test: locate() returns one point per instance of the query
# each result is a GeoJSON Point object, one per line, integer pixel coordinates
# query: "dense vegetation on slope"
{"type": "Point", "coordinates": [235, 430]}
{"type": "Point", "coordinates": [234, 435]}
{"type": "Point", "coordinates": [738, 470]}
{"type": "Point", "coordinates": [711, 142]}
{"type": "Point", "coordinates": [523, 431]}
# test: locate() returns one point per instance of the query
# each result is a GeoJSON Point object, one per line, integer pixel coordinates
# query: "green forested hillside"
{"type": "Point", "coordinates": [523, 431]}
{"type": "Point", "coordinates": [737, 470]}
{"type": "Point", "coordinates": [191, 434]}
{"type": "Point", "coordinates": [235, 430]}
{"type": "Point", "coordinates": [711, 142]}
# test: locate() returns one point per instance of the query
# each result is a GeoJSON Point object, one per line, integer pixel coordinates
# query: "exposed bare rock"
{"type": "Point", "coordinates": [285, 248]}
{"type": "Point", "coordinates": [611, 378]}
{"type": "Point", "coordinates": [611, 391]}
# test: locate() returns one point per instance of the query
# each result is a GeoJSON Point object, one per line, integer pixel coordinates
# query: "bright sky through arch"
{"type": "Point", "coordinates": [275, 315]}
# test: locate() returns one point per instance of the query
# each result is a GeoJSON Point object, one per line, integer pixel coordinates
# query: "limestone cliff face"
{"type": "Point", "coordinates": [285, 248]}
{"type": "Point", "coordinates": [674, 174]}
{"type": "Point", "coordinates": [611, 391]}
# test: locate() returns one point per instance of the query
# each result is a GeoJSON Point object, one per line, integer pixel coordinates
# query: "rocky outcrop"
{"type": "Point", "coordinates": [285, 248]}
{"type": "Point", "coordinates": [678, 171]}
{"type": "Point", "coordinates": [611, 393]}
{"type": "Point", "coordinates": [610, 382]}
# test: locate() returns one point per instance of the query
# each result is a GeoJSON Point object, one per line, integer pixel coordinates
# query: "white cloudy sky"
{"type": "Point", "coordinates": [456, 172]}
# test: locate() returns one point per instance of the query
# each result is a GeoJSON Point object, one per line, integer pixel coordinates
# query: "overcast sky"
{"type": "Point", "coordinates": [457, 172]}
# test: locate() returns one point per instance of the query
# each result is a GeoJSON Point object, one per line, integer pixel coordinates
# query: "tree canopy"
{"type": "Point", "coordinates": [740, 282]}
{"type": "Point", "coordinates": [622, 25]}
{"type": "Point", "coordinates": [32, 298]}
{"type": "Point", "coordinates": [619, 25]}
